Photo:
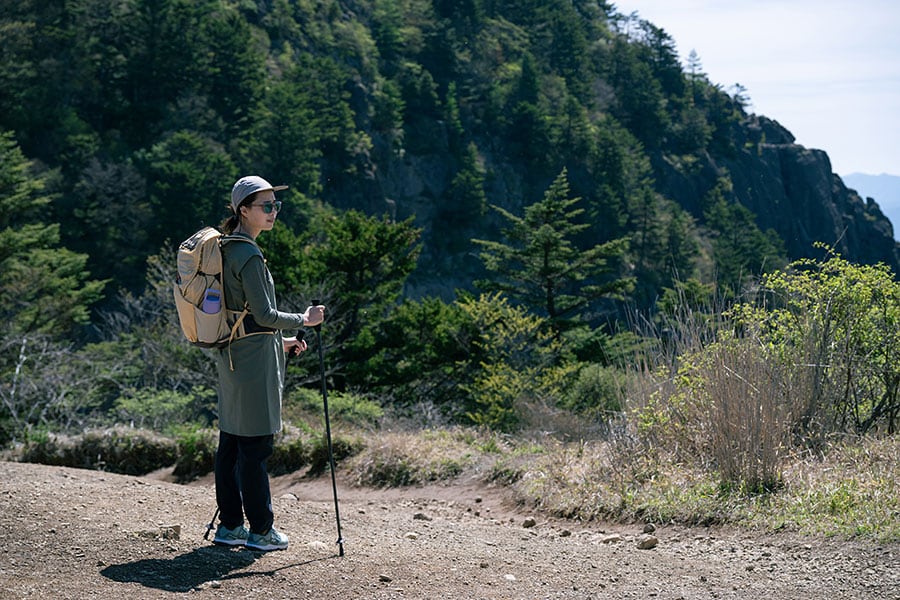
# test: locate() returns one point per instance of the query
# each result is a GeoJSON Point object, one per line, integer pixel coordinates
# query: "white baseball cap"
{"type": "Point", "coordinates": [250, 185]}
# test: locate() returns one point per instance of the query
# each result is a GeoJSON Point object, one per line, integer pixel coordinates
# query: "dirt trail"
{"type": "Point", "coordinates": [68, 533]}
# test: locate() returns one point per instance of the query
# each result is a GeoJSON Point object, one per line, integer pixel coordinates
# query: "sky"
{"type": "Point", "coordinates": [826, 70]}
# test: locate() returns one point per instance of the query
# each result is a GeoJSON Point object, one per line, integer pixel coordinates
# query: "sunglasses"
{"type": "Point", "coordinates": [268, 207]}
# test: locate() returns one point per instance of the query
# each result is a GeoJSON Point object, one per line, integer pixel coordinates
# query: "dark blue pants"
{"type": "Point", "coordinates": [242, 481]}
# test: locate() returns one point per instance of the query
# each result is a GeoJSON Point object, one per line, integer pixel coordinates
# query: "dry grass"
{"type": "Point", "coordinates": [749, 414]}
{"type": "Point", "coordinates": [394, 459]}
{"type": "Point", "coordinates": [852, 491]}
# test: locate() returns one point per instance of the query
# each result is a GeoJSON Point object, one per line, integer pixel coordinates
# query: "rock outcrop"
{"type": "Point", "coordinates": [791, 190]}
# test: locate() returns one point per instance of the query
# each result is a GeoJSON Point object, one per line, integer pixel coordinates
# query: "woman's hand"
{"type": "Point", "coordinates": [293, 346]}
{"type": "Point", "coordinates": [314, 315]}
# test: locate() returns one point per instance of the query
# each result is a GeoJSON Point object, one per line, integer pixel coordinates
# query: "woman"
{"type": "Point", "coordinates": [251, 372]}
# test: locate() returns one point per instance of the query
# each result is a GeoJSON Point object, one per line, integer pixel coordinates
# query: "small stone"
{"type": "Point", "coordinates": [483, 565]}
{"type": "Point", "coordinates": [215, 584]}
{"type": "Point", "coordinates": [647, 542]}
{"type": "Point", "coordinates": [385, 578]}
{"type": "Point", "coordinates": [421, 517]}
{"type": "Point", "coordinates": [649, 528]}
{"type": "Point", "coordinates": [288, 496]}
{"type": "Point", "coordinates": [412, 535]}
{"type": "Point", "coordinates": [611, 538]}
{"type": "Point", "coordinates": [529, 522]}
{"type": "Point", "coordinates": [565, 533]}
{"type": "Point", "coordinates": [509, 577]}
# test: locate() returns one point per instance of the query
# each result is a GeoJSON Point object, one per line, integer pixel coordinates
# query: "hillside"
{"type": "Point", "coordinates": [70, 533]}
{"type": "Point", "coordinates": [433, 111]}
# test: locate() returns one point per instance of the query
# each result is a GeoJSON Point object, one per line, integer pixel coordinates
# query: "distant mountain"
{"type": "Point", "coordinates": [884, 189]}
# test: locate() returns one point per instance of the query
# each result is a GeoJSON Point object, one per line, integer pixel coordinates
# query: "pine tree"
{"type": "Point", "coordinates": [542, 267]}
{"type": "Point", "coordinates": [740, 249]}
{"type": "Point", "coordinates": [43, 287]}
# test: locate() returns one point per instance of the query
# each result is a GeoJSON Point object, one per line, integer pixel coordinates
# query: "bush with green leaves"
{"type": "Point", "coordinates": [416, 354]}
{"type": "Point", "coordinates": [117, 450]}
{"type": "Point", "coordinates": [815, 354]}
{"type": "Point", "coordinates": [597, 392]}
{"type": "Point", "coordinates": [353, 409]}
{"type": "Point", "coordinates": [837, 324]}
{"type": "Point", "coordinates": [196, 452]}
{"type": "Point", "coordinates": [160, 410]}
{"type": "Point", "coordinates": [514, 362]}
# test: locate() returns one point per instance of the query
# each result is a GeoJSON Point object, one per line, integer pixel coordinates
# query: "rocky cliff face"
{"type": "Point", "coordinates": [793, 191]}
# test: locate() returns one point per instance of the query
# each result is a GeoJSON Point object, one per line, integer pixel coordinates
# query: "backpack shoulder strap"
{"type": "Point", "coordinates": [230, 237]}
{"type": "Point", "coordinates": [239, 254]}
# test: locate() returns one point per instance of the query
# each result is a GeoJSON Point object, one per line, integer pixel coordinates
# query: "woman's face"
{"type": "Point", "coordinates": [255, 216]}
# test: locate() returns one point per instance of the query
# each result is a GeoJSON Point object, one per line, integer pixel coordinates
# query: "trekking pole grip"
{"type": "Point", "coordinates": [318, 327]}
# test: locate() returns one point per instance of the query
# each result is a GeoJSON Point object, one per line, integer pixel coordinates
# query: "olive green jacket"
{"type": "Point", "coordinates": [250, 395]}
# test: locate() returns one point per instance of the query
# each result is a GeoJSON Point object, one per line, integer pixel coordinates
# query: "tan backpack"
{"type": "Point", "coordinates": [199, 294]}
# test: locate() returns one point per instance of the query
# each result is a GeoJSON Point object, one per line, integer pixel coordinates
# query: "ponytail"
{"type": "Point", "coordinates": [231, 222]}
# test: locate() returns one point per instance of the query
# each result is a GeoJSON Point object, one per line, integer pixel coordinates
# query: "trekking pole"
{"type": "Point", "coordinates": [212, 525]}
{"type": "Point", "coordinates": [337, 512]}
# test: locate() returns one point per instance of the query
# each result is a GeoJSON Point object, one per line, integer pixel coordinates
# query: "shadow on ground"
{"type": "Point", "coordinates": [188, 571]}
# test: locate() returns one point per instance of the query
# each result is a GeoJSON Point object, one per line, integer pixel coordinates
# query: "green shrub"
{"type": "Point", "coordinates": [342, 448]}
{"type": "Point", "coordinates": [597, 392]}
{"type": "Point", "coordinates": [838, 326]}
{"type": "Point", "coordinates": [414, 355]}
{"type": "Point", "coordinates": [349, 408]}
{"type": "Point", "coordinates": [515, 363]}
{"type": "Point", "coordinates": [117, 450]}
{"type": "Point", "coordinates": [291, 453]}
{"type": "Point", "coordinates": [196, 452]}
{"type": "Point", "coordinates": [299, 404]}
{"type": "Point", "coordinates": [158, 409]}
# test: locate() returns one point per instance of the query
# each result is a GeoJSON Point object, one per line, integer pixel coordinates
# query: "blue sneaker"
{"type": "Point", "coordinates": [231, 537]}
{"type": "Point", "coordinates": [273, 540]}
